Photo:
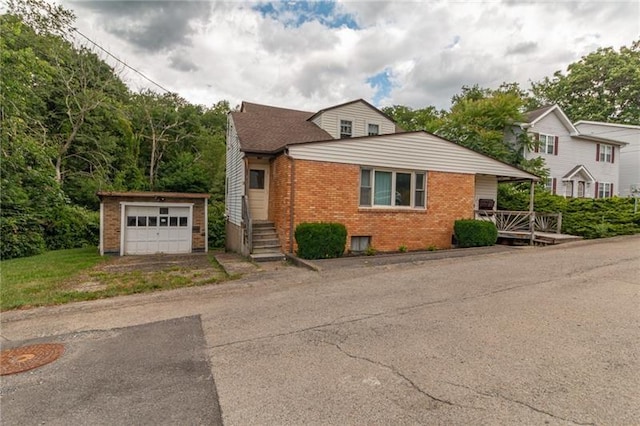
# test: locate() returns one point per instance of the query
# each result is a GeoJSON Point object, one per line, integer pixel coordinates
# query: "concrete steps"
{"type": "Point", "coordinates": [266, 246]}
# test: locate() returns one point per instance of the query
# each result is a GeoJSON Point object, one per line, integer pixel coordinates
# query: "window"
{"type": "Point", "coordinates": [256, 179]}
{"type": "Point", "coordinates": [373, 129]}
{"type": "Point", "coordinates": [580, 189]}
{"type": "Point", "coordinates": [131, 221]}
{"type": "Point", "coordinates": [359, 244]}
{"type": "Point", "coordinates": [142, 221]}
{"type": "Point", "coordinates": [153, 220]}
{"type": "Point", "coordinates": [547, 144]}
{"type": "Point", "coordinates": [380, 188]}
{"type": "Point", "coordinates": [365, 187]}
{"type": "Point", "coordinates": [605, 153]}
{"type": "Point", "coordinates": [550, 185]}
{"type": "Point", "coordinates": [183, 221]}
{"type": "Point", "coordinates": [568, 190]}
{"type": "Point", "coordinates": [346, 129]}
{"type": "Point", "coordinates": [604, 189]}
{"type": "Point", "coordinates": [164, 210]}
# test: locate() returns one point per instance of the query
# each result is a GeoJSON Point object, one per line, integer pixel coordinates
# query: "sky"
{"type": "Point", "coordinates": [309, 55]}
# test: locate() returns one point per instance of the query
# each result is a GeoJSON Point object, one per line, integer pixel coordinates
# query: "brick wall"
{"type": "Point", "coordinates": [111, 225]}
{"type": "Point", "coordinates": [329, 192]}
{"type": "Point", "coordinates": [280, 198]}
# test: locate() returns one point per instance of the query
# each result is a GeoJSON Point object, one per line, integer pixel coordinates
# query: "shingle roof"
{"type": "Point", "coordinates": [267, 129]}
{"type": "Point", "coordinates": [533, 115]}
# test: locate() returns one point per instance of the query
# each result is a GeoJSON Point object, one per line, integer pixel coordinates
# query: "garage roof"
{"type": "Point", "coordinates": [102, 194]}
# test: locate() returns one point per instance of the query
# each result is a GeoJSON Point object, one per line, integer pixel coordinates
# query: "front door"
{"type": "Point", "coordinates": [259, 191]}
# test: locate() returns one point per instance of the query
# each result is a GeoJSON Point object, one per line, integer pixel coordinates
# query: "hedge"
{"type": "Point", "coordinates": [585, 217]}
{"type": "Point", "coordinates": [475, 233]}
{"type": "Point", "coordinates": [320, 240]}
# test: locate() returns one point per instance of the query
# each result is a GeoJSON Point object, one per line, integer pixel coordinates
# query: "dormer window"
{"type": "Point", "coordinates": [373, 129]}
{"type": "Point", "coordinates": [346, 129]}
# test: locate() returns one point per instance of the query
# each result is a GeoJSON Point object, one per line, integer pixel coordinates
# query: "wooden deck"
{"type": "Point", "coordinates": [539, 237]}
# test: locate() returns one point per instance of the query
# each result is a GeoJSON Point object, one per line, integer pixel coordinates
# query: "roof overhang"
{"type": "Point", "coordinates": [151, 195]}
{"type": "Point", "coordinates": [597, 139]}
{"type": "Point", "coordinates": [561, 115]}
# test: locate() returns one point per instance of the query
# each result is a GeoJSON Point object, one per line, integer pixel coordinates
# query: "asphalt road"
{"type": "Point", "coordinates": [545, 335]}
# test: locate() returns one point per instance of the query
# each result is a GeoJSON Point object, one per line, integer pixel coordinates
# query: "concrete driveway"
{"type": "Point", "coordinates": [546, 335]}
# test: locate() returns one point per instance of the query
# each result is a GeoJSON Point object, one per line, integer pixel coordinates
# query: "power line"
{"type": "Point", "coordinates": [122, 62]}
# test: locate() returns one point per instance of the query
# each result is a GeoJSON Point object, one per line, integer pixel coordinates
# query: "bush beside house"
{"type": "Point", "coordinates": [320, 240]}
{"type": "Point", "coordinates": [475, 233]}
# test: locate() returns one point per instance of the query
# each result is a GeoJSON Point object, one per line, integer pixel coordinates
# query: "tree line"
{"type": "Point", "coordinates": [71, 127]}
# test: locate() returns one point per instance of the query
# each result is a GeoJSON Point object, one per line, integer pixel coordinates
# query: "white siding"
{"type": "Point", "coordinates": [629, 158]}
{"type": "Point", "coordinates": [412, 151]}
{"type": "Point", "coordinates": [486, 188]}
{"type": "Point", "coordinates": [359, 114]}
{"type": "Point", "coordinates": [234, 188]}
{"type": "Point", "coordinates": [574, 151]}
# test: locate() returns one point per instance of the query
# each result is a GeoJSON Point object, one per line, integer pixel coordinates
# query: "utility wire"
{"type": "Point", "coordinates": [121, 61]}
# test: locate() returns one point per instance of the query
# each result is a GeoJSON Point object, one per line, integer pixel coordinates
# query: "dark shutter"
{"type": "Point", "coordinates": [597, 152]}
{"type": "Point", "coordinates": [595, 195]}
{"type": "Point", "coordinates": [613, 150]}
{"type": "Point", "coordinates": [553, 186]}
{"type": "Point", "coordinates": [555, 145]}
{"type": "Point", "coordinates": [536, 143]}
{"type": "Point", "coordinates": [611, 188]}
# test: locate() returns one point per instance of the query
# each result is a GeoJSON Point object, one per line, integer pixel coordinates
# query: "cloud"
{"type": "Point", "coordinates": [150, 25]}
{"type": "Point", "coordinates": [311, 55]}
{"type": "Point", "coordinates": [296, 13]}
{"type": "Point", "coordinates": [522, 48]}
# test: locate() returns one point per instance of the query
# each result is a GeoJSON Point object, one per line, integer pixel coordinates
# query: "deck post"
{"type": "Point", "coordinates": [559, 230]}
{"type": "Point", "coordinates": [532, 218]}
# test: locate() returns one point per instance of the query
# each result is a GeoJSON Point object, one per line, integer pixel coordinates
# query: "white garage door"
{"type": "Point", "coordinates": [157, 229]}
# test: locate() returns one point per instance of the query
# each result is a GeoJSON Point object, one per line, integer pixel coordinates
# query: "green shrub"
{"type": "Point", "coordinates": [320, 240]}
{"type": "Point", "coordinates": [475, 233]}
{"type": "Point", "coordinates": [585, 217]}
{"type": "Point", "coordinates": [20, 236]}
{"type": "Point", "coordinates": [370, 251]}
{"type": "Point", "coordinates": [402, 249]}
{"type": "Point", "coordinates": [68, 226]}
{"type": "Point", "coordinates": [216, 225]}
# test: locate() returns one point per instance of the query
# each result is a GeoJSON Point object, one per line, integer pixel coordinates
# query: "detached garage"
{"type": "Point", "coordinates": [133, 223]}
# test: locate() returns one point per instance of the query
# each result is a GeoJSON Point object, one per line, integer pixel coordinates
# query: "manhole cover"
{"type": "Point", "coordinates": [26, 358]}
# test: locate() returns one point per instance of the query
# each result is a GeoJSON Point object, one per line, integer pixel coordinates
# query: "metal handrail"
{"type": "Point", "coordinates": [248, 223]}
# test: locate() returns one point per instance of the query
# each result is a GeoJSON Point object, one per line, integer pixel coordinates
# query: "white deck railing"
{"type": "Point", "coordinates": [521, 223]}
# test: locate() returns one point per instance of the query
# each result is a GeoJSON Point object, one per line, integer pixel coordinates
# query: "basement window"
{"type": "Point", "coordinates": [360, 244]}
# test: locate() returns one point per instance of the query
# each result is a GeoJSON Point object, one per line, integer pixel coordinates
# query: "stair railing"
{"type": "Point", "coordinates": [248, 223]}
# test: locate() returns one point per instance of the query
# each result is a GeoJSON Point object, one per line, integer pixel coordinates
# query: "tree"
{"type": "Point", "coordinates": [479, 118]}
{"type": "Point", "coordinates": [427, 118]}
{"type": "Point", "coordinates": [602, 86]}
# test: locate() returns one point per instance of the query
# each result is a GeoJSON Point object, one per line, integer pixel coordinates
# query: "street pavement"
{"type": "Point", "coordinates": [534, 335]}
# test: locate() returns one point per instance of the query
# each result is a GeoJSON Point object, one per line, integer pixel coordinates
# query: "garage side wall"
{"type": "Point", "coordinates": [112, 221]}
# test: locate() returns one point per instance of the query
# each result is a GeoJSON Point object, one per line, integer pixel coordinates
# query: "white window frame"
{"type": "Point", "coordinates": [605, 189]}
{"type": "Point", "coordinates": [412, 204]}
{"type": "Point", "coordinates": [606, 153]}
{"type": "Point", "coordinates": [373, 124]}
{"type": "Point", "coordinates": [345, 120]}
{"type": "Point", "coordinates": [547, 142]}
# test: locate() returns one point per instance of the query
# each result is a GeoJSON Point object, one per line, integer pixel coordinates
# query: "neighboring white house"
{"type": "Point", "coordinates": [580, 163]}
{"type": "Point", "coordinates": [629, 163]}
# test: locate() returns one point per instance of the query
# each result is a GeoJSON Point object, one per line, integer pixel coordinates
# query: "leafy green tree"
{"type": "Point", "coordinates": [601, 86]}
{"type": "Point", "coordinates": [409, 119]}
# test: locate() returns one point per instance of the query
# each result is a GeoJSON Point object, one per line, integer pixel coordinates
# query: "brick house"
{"type": "Point", "coordinates": [152, 222]}
{"type": "Point", "coordinates": [350, 164]}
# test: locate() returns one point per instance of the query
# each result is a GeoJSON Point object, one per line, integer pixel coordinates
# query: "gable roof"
{"type": "Point", "coordinates": [537, 115]}
{"type": "Point", "coordinates": [362, 101]}
{"type": "Point", "coordinates": [579, 168]}
{"type": "Point", "coordinates": [267, 129]}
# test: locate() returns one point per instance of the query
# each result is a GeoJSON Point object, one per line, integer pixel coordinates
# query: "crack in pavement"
{"type": "Point", "coordinates": [524, 404]}
{"type": "Point", "coordinates": [398, 373]}
{"type": "Point", "coordinates": [406, 309]}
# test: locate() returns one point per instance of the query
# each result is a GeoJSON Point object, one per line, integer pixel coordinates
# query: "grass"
{"type": "Point", "coordinates": [65, 276]}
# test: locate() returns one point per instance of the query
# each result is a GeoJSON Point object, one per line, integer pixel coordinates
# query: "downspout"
{"type": "Point", "coordinates": [292, 191]}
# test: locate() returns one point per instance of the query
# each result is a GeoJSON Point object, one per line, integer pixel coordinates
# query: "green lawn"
{"type": "Point", "coordinates": [34, 281]}
{"type": "Point", "coordinates": [56, 277]}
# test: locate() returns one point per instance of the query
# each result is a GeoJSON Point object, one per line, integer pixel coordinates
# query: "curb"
{"type": "Point", "coordinates": [302, 263]}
